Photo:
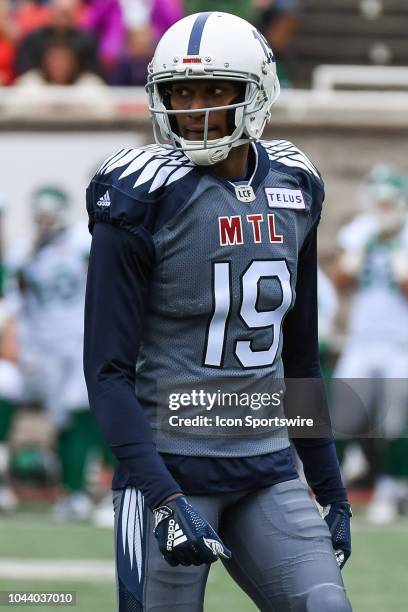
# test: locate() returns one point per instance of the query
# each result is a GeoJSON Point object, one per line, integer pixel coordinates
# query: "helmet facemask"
{"type": "Point", "coordinates": [240, 115]}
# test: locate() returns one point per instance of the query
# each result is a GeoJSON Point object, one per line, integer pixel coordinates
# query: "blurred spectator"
{"type": "Point", "coordinates": [61, 66]}
{"type": "Point", "coordinates": [7, 46]}
{"type": "Point", "coordinates": [160, 14]}
{"type": "Point", "coordinates": [104, 18]}
{"type": "Point", "coordinates": [163, 14]}
{"type": "Point", "coordinates": [145, 22]}
{"type": "Point", "coordinates": [64, 20]}
{"type": "Point", "coordinates": [278, 22]}
{"type": "Point", "coordinates": [30, 15]}
{"type": "Point", "coordinates": [132, 66]}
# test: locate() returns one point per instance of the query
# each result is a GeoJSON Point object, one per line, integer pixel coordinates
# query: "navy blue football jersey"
{"type": "Point", "coordinates": [223, 279]}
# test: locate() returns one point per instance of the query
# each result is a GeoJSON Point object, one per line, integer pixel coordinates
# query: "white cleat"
{"type": "Point", "coordinates": [103, 514]}
{"type": "Point", "coordinates": [382, 513]}
{"type": "Point", "coordinates": [8, 500]}
{"type": "Point", "coordinates": [383, 508]}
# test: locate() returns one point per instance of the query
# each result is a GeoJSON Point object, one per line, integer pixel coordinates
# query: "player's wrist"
{"type": "Point", "coordinates": [170, 498]}
{"type": "Point", "coordinates": [343, 506]}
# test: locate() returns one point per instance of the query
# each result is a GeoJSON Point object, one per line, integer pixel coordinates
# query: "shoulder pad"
{"type": "Point", "coordinates": [128, 187]}
{"type": "Point", "coordinates": [144, 171]}
{"type": "Point", "coordinates": [285, 152]}
{"type": "Point", "coordinates": [291, 160]}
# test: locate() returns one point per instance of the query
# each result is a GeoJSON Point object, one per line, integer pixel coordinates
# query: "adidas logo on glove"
{"type": "Point", "coordinates": [175, 535]}
{"type": "Point", "coordinates": [184, 536]}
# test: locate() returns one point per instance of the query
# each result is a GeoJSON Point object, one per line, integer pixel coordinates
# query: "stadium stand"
{"type": "Point", "coordinates": [362, 32]}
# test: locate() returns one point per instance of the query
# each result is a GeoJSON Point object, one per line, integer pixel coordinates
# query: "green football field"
{"type": "Point", "coordinates": [376, 577]}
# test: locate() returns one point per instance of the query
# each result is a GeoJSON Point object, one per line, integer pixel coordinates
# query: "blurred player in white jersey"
{"type": "Point", "coordinates": [51, 283]}
{"type": "Point", "coordinates": [374, 260]}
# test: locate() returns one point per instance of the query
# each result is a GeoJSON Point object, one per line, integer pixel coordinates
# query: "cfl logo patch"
{"type": "Point", "coordinates": [175, 535]}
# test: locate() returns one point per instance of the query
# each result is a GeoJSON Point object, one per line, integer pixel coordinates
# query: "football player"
{"type": "Point", "coordinates": [374, 362]}
{"type": "Point", "coordinates": [51, 281]}
{"type": "Point", "coordinates": [203, 275]}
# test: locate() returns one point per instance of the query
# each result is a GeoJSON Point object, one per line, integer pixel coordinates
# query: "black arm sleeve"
{"type": "Point", "coordinates": [119, 267]}
{"type": "Point", "coordinates": [300, 356]}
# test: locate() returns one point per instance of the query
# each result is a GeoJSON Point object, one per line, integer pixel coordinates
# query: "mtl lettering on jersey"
{"type": "Point", "coordinates": [231, 233]}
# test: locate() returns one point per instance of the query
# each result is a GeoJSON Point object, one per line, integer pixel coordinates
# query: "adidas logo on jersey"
{"type": "Point", "coordinates": [104, 201]}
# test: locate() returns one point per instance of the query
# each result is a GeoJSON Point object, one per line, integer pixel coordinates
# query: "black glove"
{"type": "Point", "coordinates": [337, 516]}
{"type": "Point", "coordinates": [184, 536]}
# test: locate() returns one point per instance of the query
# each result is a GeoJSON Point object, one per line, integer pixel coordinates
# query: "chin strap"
{"type": "Point", "coordinates": [213, 155]}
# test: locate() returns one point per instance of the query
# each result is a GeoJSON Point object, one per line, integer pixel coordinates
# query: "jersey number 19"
{"type": "Point", "coordinates": [252, 317]}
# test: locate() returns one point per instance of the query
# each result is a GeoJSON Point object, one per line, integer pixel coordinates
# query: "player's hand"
{"type": "Point", "coordinates": [184, 536]}
{"type": "Point", "coordinates": [337, 516]}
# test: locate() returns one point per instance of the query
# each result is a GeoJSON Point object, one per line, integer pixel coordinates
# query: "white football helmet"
{"type": "Point", "coordinates": [384, 194]}
{"type": "Point", "coordinates": [50, 210]}
{"type": "Point", "coordinates": [213, 45]}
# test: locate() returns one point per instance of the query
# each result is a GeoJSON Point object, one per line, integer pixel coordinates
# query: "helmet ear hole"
{"type": "Point", "coordinates": [164, 92]}
{"type": "Point", "coordinates": [233, 115]}
{"type": "Point", "coordinates": [165, 95]}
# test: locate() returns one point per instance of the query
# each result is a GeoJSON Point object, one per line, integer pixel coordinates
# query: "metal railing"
{"type": "Point", "coordinates": [327, 77]}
